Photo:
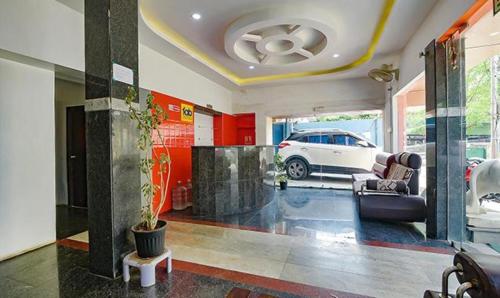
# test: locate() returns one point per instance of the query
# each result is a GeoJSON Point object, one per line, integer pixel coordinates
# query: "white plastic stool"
{"type": "Point", "coordinates": [146, 266]}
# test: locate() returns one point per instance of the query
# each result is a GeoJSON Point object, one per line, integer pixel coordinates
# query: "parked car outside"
{"type": "Point", "coordinates": [326, 151]}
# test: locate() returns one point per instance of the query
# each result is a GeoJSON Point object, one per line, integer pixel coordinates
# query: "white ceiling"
{"type": "Point", "coordinates": [351, 26]}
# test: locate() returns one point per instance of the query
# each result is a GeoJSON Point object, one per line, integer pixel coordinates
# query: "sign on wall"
{"type": "Point", "coordinates": [496, 6]}
{"type": "Point", "coordinates": [123, 74]}
{"type": "Point", "coordinates": [187, 113]}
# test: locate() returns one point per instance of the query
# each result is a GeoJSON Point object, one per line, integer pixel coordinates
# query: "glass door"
{"type": "Point", "coordinates": [482, 178]}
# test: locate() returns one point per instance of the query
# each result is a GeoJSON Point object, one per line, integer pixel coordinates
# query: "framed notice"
{"type": "Point", "coordinates": [496, 6]}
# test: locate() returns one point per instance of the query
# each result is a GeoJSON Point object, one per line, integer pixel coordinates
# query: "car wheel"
{"type": "Point", "coordinates": [296, 169]}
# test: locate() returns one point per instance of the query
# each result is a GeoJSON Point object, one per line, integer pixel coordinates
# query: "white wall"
{"type": "Point", "coordinates": [27, 163]}
{"type": "Point", "coordinates": [53, 31]}
{"type": "Point", "coordinates": [46, 30]}
{"type": "Point", "coordinates": [300, 99]}
{"type": "Point", "coordinates": [159, 73]}
{"type": "Point", "coordinates": [67, 94]}
{"type": "Point", "coordinates": [442, 16]}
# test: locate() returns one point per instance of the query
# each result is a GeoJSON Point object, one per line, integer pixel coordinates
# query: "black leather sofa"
{"type": "Point", "coordinates": [397, 205]}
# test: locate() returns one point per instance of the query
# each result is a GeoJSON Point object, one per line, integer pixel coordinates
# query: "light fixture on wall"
{"type": "Point", "coordinates": [251, 67]}
{"type": "Point", "coordinates": [384, 74]}
{"type": "Point", "coordinates": [196, 16]}
{"type": "Point", "coordinates": [336, 55]}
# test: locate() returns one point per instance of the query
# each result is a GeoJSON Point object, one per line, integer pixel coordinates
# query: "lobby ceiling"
{"type": "Point", "coordinates": [253, 42]}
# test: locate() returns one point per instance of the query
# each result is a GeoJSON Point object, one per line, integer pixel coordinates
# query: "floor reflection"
{"type": "Point", "coordinates": [322, 214]}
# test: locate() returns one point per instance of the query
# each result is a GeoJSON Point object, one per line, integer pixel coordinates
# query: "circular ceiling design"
{"type": "Point", "coordinates": [278, 38]}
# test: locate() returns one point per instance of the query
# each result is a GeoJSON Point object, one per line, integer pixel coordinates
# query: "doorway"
{"type": "Point", "coordinates": [76, 156]}
{"type": "Point", "coordinates": [330, 146]}
{"type": "Point", "coordinates": [71, 169]}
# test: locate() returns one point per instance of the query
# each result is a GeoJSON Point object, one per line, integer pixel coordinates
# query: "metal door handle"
{"type": "Point", "coordinates": [303, 149]}
{"type": "Point", "coordinates": [336, 152]}
{"type": "Point", "coordinates": [72, 156]}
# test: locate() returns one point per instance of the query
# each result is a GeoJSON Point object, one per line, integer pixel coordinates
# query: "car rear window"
{"type": "Point", "coordinates": [319, 139]}
{"type": "Point", "coordinates": [295, 137]}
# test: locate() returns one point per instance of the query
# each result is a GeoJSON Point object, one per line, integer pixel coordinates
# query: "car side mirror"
{"type": "Point", "coordinates": [362, 143]}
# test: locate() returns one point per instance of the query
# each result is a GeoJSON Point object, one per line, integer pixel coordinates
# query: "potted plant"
{"type": "Point", "coordinates": [149, 234]}
{"type": "Point", "coordinates": [281, 175]}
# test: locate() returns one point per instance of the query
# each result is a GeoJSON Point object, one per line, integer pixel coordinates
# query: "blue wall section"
{"type": "Point", "coordinates": [371, 129]}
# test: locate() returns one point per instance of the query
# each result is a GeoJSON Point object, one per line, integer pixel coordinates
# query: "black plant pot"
{"type": "Point", "coordinates": [283, 185]}
{"type": "Point", "coordinates": [150, 243]}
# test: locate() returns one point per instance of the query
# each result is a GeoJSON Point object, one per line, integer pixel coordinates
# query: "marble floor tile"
{"type": "Point", "coordinates": [324, 262]}
{"type": "Point", "coordinates": [82, 237]}
{"type": "Point", "coordinates": [228, 261]}
{"type": "Point", "coordinates": [359, 284]}
{"type": "Point", "coordinates": [318, 214]}
{"type": "Point", "coordinates": [246, 248]}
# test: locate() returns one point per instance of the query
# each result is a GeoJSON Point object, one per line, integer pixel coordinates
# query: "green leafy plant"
{"type": "Point", "coordinates": [279, 166]}
{"type": "Point", "coordinates": [148, 122]}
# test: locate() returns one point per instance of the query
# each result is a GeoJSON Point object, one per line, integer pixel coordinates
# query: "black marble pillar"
{"type": "Point", "coordinates": [456, 138]}
{"type": "Point", "coordinates": [113, 181]}
{"type": "Point", "coordinates": [441, 210]}
{"type": "Point", "coordinates": [436, 146]}
{"type": "Point", "coordinates": [445, 107]}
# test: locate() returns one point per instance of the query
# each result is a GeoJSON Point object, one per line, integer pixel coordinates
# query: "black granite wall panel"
{"type": "Point", "coordinates": [232, 180]}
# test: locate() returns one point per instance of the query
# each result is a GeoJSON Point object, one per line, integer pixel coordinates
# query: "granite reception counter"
{"type": "Point", "coordinates": [231, 179]}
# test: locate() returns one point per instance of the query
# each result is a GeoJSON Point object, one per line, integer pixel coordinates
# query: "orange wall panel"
{"type": "Point", "coordinates": [178, 134]}
{"type": "Point", "coordinates": [245, 124]}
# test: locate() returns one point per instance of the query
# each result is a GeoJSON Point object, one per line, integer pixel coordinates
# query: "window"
{"type": "Point", "coordinates": [351, 141]}
{"type": "Point", "coordinates": [339, 140]}
{"type": "Point", "coordinates": [302, 139]}
{"type": "Point", "coordinates": [345, 140]}
{"type": "Point", "coordinates": [319, 139]}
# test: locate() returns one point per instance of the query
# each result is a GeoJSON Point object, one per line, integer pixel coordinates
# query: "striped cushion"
{"type": "Point", "coordinates": [400, 172]}
{"type": "Point", "coordinates": [408, 159]}
{"type": "Point", "coordinates": [380, 170]}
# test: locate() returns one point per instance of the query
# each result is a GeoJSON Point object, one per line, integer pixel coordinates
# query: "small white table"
{"type": "Point", "coordinates": [146, 266]}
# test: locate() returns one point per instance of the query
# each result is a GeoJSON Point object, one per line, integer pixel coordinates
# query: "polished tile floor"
{"type": "Point", "coordinates": [306, 243]}
{"type": "Point", "coordinates": [319, 214]}
{"type": "Point", "coordinates": [59, 271]}
{"type": "Point", "coordinates": [326, 263]}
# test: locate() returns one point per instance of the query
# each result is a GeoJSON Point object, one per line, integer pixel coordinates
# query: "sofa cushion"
{"type": "Point", "coordinates": [408, 159]}
{"type": "Point", "coordinates": [398, 186]}
{"type": "Point", "coordinates": [382, 157]}
{"type": "Point", "coordinates": [364, 176]}
{"type": "Point", "coordinates": [400, 172]}
{"type": "Point", "coordinates": [380, 170]}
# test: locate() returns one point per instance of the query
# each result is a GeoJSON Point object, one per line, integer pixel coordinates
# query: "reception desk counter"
{"type": "Point", "coordinates": [230, 180]}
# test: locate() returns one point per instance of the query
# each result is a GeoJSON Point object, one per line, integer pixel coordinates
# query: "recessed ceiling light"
{"type": "Point", "coordinates": [336, 55]}
{"type": "Point", "coordinates": [495, 33]}
{"type": "Point", "coordinates": [251, 67]}
{"type": "Point", "coordinates": [196, 16]}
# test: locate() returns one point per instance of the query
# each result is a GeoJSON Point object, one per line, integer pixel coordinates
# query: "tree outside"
{"type": "Point", "coordinates": [478, 106]}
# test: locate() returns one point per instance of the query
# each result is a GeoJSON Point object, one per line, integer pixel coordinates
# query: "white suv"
{"type": "Point", "coordinates": [326, 151]}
